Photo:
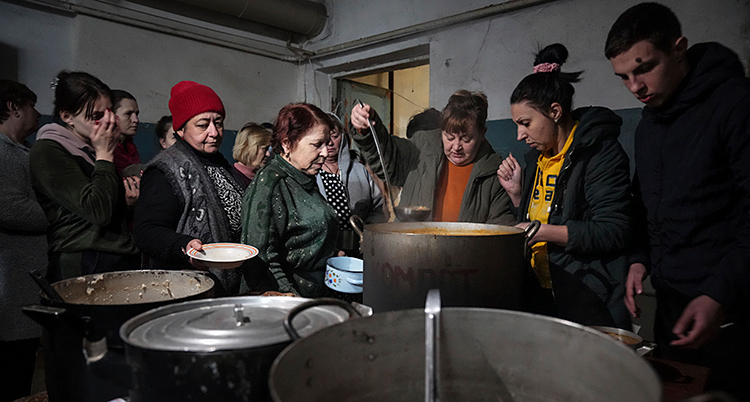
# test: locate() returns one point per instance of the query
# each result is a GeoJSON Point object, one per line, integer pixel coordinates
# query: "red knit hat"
{"type": "Point", "coordinates": [189, 99]}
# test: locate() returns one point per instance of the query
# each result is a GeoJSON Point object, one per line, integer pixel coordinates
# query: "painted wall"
{"type": "Point", "coordinates": [494, 54]}
{"type": "Point", "coordinates": [146, 64]}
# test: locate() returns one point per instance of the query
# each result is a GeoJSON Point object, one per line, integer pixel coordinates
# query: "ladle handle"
{"type": "Point", "coordinates": [323, 301]}
{"type": "Point", "coordinates": [359, 226]}
{"type": "Point", "coordinates": [432, 346]}
{"type": "Point", "coordinates": [46, 287]}
{"type": "Point", "coordinates": [380, 156]}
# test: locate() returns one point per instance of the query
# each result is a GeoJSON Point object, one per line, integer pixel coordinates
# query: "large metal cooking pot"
{"type": "Point", "coordinates": [95, 306]}
{"type": "Point", "coordinates": [473, 264]}
{"type": "Point", "coordinates": [484, 355]}
{"type": "Point", "coordinates": [212, 350]}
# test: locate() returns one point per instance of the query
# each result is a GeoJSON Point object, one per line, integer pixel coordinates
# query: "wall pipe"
{"type": "Point", "coordinates": [511, 5]}
{"type": "Point", "coordinates": [298, 16]}
{"type": "Point", "coordinates": [301, 53]}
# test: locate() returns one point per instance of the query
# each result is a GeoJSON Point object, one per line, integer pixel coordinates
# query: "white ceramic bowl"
{"type": "Point", "coordinates": [344, 274]}
{"type": "Point", "coordinates": [223, 255]}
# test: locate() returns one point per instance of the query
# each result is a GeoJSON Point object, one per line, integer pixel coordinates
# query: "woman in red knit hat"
{"type": "Point", "coordinates": [189, 195]}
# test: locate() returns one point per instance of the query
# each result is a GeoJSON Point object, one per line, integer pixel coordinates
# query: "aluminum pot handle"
{"type": "Point", "coordinates": [531, 230]}
{"type": "Point", "coordinates": [323, 301]}
{"type": "Point", "coordinates": [355, 281]}
{"type": "Point", "coordinates": [359, 226]}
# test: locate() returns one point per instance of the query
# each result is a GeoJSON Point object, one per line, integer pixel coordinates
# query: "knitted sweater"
{"type": "Point", "coordinates": [22, 234]}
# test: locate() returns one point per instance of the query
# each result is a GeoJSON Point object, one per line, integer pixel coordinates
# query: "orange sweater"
{"type": "Point", "coordinates": [450, 191]}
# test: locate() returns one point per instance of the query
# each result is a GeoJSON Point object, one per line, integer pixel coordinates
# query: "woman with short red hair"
{"type": "Point", "coordinates": [283, 213]}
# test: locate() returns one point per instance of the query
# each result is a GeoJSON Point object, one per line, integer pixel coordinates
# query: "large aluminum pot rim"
{"type": "Point", "coordinates": [465, 227]}
{"type": "Point", "coordinates": [197, 274]}
{"type": "Point", "coordinates": [585, 328]}
{"type": "Point", "coordinates": [589, 330]}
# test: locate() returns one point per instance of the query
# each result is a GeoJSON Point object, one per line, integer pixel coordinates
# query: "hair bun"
{"type": "Point", "coordinates": [554, 53]}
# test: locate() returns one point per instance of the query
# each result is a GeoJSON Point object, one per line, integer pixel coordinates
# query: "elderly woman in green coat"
{"type": "Point", "coordinates": [283, 213]}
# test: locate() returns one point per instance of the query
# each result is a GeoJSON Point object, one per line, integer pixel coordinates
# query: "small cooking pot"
{"type": "Point", "coordinates": [95, 306]}
{"type": "Point", "coordinates": [629, 338]}
{"type": "Point", "coordinates": [344, 274]}
{"type": "Point", "coordinates": [211, 350]}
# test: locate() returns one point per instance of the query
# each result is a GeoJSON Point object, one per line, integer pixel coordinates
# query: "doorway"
{"type": "Point", "coordinates": [396, 94]}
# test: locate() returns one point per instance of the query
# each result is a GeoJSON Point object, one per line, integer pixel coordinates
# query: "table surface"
{"type": "Point", "coordinates": [679, 380]}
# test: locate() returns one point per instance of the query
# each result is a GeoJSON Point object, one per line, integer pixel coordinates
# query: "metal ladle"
{"type": "Point", "coordinates": [380, 156]}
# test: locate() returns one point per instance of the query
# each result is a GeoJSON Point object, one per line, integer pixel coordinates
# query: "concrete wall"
{"type": "Point", "coordinates": [493, 54]}
{"type": "Point", "coordinates": [146, 64]}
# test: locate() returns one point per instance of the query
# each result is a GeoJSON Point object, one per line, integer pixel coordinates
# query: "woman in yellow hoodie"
{"type": "Point", "coordinates": [576, 182]}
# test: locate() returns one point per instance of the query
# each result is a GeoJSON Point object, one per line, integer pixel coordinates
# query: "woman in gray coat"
{"type": "Point", "coordinates": [23, 237]}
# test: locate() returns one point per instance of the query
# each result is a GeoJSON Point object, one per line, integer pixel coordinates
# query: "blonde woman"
{"type": "Point", "coordinates": [251, 151]}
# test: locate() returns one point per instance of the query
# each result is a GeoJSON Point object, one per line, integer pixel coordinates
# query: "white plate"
{"type": "Point", "coordinates": [223, 255]}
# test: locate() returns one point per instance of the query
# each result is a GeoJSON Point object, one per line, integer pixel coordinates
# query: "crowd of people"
{"type": "Point", "coordinates": [82, 194]}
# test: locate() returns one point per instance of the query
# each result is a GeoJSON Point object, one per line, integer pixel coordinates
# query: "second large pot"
{"type": "Point", "coordinates": [213, 350]}
{"type": "Point", "coordinates": [95, 306]}
{"type": "Point", "coordinates": [473, 265]}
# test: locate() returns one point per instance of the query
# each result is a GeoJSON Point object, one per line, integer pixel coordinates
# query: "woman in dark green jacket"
{"type": "Point", "coordinates": [283, 213]}
{"type": "Point", "coordinates": [576, 182]}
{"type": "Point", "coordinates": [75, 180]}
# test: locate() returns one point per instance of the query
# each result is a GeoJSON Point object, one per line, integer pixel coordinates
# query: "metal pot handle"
{"type": "Point", "coordinates": [356, 282]}
{"type": "Point", "coordinates": [323, 301]}
{"type": "Point", "coordinates": [531, 230]}
{"type": "Point", "coordinates": [359, 226]}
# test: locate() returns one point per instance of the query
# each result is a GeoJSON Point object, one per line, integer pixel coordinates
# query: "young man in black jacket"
{"type": "Point", "coordinates": [691, 189]}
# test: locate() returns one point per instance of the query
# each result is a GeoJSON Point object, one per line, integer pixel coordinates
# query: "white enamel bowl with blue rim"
{"type": "Point", "coordinates": [344, 274]}
{"type": "Point", "coordinates": [223, 255]}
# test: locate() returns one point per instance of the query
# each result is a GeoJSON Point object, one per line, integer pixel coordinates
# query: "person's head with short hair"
{"type": "Point", "coordinates": [198, 115]}
{"type": "Point", "coordinates": [165, 132]}
{"type": "Point", "coordinates": [18, 115]}
{"type": "Point", "coordinates": [648, 52]}
{"type": "Point", "coordinates": [301, 133]}
{"type": "Point", "coordinates": [542, 102]}
{"type": "Point", "coordinates": [463, 121]}
{"type": "Point", "coordinates": [80, 100]}
{"type": "Point", "coordinates": [429, 119]}
{"type": "Point", "coordinates": [126, 109]}
{"type": "Point", "coordinates": [251, 146]}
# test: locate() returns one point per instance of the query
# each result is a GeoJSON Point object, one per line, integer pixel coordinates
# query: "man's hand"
{"type": "Point", "coordinates": [634, 286]}
{"type": "Point", "coordinates": [699, 323]}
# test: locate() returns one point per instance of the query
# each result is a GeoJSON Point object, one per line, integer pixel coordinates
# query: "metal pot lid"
{"type": "Point", "coordinates": [225, 324]}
